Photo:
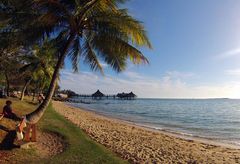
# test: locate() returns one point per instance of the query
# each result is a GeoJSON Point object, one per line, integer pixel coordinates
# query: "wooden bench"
{"type": "Point", "coordinates": [30, 135]}
{"type": "Point", "coordinates": [29, 129]}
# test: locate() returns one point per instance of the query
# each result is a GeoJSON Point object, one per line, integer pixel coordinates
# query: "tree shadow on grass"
{"type": "Point", "coordinates": [32, 103]}
{"type": "Point", "coordinates": [8, 142]}
{"type": "Point", "coordinates": [4, 128]}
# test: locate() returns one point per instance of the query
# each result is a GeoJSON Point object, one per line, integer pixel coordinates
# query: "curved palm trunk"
{"type": "Point", "coordinates": [24, 88]}
{"type": "Point", "coordinates": [36, 115]}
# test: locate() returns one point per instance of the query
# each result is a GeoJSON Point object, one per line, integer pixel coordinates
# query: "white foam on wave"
{"type": "Point", "coordinates": [164, 129]}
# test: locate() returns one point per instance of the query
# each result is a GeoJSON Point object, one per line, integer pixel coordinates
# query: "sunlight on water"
{"type": "Point", "coordinates": [209, 118]}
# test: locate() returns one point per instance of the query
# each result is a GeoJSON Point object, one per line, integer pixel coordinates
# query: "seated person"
{"type": "Point", "coordinates": [7, 111]}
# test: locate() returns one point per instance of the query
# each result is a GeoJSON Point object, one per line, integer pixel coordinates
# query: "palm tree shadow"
{"type": "Point", "coordinates": [8, 142]}
{"type": "Point", "coordinates": [4, 128]}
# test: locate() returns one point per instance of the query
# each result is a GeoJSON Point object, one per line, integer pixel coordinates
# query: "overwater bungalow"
{"type": "Point", "coordinates": [131, 95]}
{"type": "Point", "coordinates": [98, 95]}
{"type": "Point", "coordinates": [126, 96]}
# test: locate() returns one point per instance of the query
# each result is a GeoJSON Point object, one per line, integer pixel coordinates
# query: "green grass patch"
{"type": "Point", "coordinates": [80, 148]}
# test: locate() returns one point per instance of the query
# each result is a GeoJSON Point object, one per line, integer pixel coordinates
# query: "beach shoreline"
{"type": "Point", "coordinates": [139, 143]}
{"type": "Point", "coordinates": [173, 133]}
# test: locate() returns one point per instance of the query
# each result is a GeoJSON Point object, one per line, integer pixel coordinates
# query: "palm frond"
{"type": "Point", "coordinates": [90, 56]}
{"type": "Point", "coordinates": [123, 23]}
{"type": "Point", "coordinates": [75, 54]}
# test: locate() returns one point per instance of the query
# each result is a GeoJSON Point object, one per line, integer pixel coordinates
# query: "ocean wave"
{"type": "Point", "coordinates": [208, 119]}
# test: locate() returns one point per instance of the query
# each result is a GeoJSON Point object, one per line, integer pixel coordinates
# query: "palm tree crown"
{"type": "Point", "coordinates": [88, 30]}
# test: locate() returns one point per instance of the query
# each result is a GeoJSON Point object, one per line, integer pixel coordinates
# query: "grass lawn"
{"type": "Point", "coordinates": [80, 148]}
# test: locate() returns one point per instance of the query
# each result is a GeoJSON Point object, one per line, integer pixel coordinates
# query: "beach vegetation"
{"type": "Point", "coordinates": [93, 31]}
{"type": "Point", "coordinates": [78, 147]}
{"type": "Point", "coordinates": [38, 66]}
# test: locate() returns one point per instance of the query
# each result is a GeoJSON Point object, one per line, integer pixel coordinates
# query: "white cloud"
{"type": "Point", "coordinates": [229, 53]}
{"type": "Point", "coordinates": [179, 75]}
{"type": "Point", "coordinates": [172, 85]}
{"type": "Point", "coordinates": [104, 65]}
{"type": "Point", "coordinates": [132, 75]}
{"type": "Point", "coordinates": [233, 72]}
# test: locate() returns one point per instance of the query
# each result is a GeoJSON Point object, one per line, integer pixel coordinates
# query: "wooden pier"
{"type": "Point", "coordinates": [99, 95]}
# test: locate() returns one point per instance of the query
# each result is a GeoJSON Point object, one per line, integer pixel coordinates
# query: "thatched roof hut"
{"type": "Point", "coordinates": [98, 94]}
{"type": "Point", "coordinates": [126, 96]}
{"type": "Point", "coordinates": [121, 95]}
{"type": "Point", "coordinates": [131, 95]}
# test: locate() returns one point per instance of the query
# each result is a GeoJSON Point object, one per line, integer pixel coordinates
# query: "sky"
{"type": "Point", "coordinates": [196, 53]}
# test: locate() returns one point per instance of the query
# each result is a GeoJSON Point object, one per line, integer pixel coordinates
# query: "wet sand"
{"type": "Point", "coordinates": [141, 145]}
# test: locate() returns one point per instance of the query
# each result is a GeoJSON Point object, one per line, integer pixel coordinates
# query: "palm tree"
{"type": "Point", "coordinates": [9, 65]}
{"type": "Point", "coordinates": [88, 30]}
{"type": "Point", "coordinates": [39, 64]}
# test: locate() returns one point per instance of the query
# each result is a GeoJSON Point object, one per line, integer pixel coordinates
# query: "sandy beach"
{"type": "Point", "coordinates": [140, 145]}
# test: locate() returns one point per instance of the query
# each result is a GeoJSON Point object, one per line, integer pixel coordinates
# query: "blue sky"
{"type": "Point", "coordinates": [196, 53]}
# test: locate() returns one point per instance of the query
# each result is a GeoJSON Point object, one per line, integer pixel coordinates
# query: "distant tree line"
{"type": "Point", "coordinates": [68, 92]}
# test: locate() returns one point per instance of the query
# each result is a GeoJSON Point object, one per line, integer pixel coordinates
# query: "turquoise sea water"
{"type": "Point", "coordinates": [217, 119]}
